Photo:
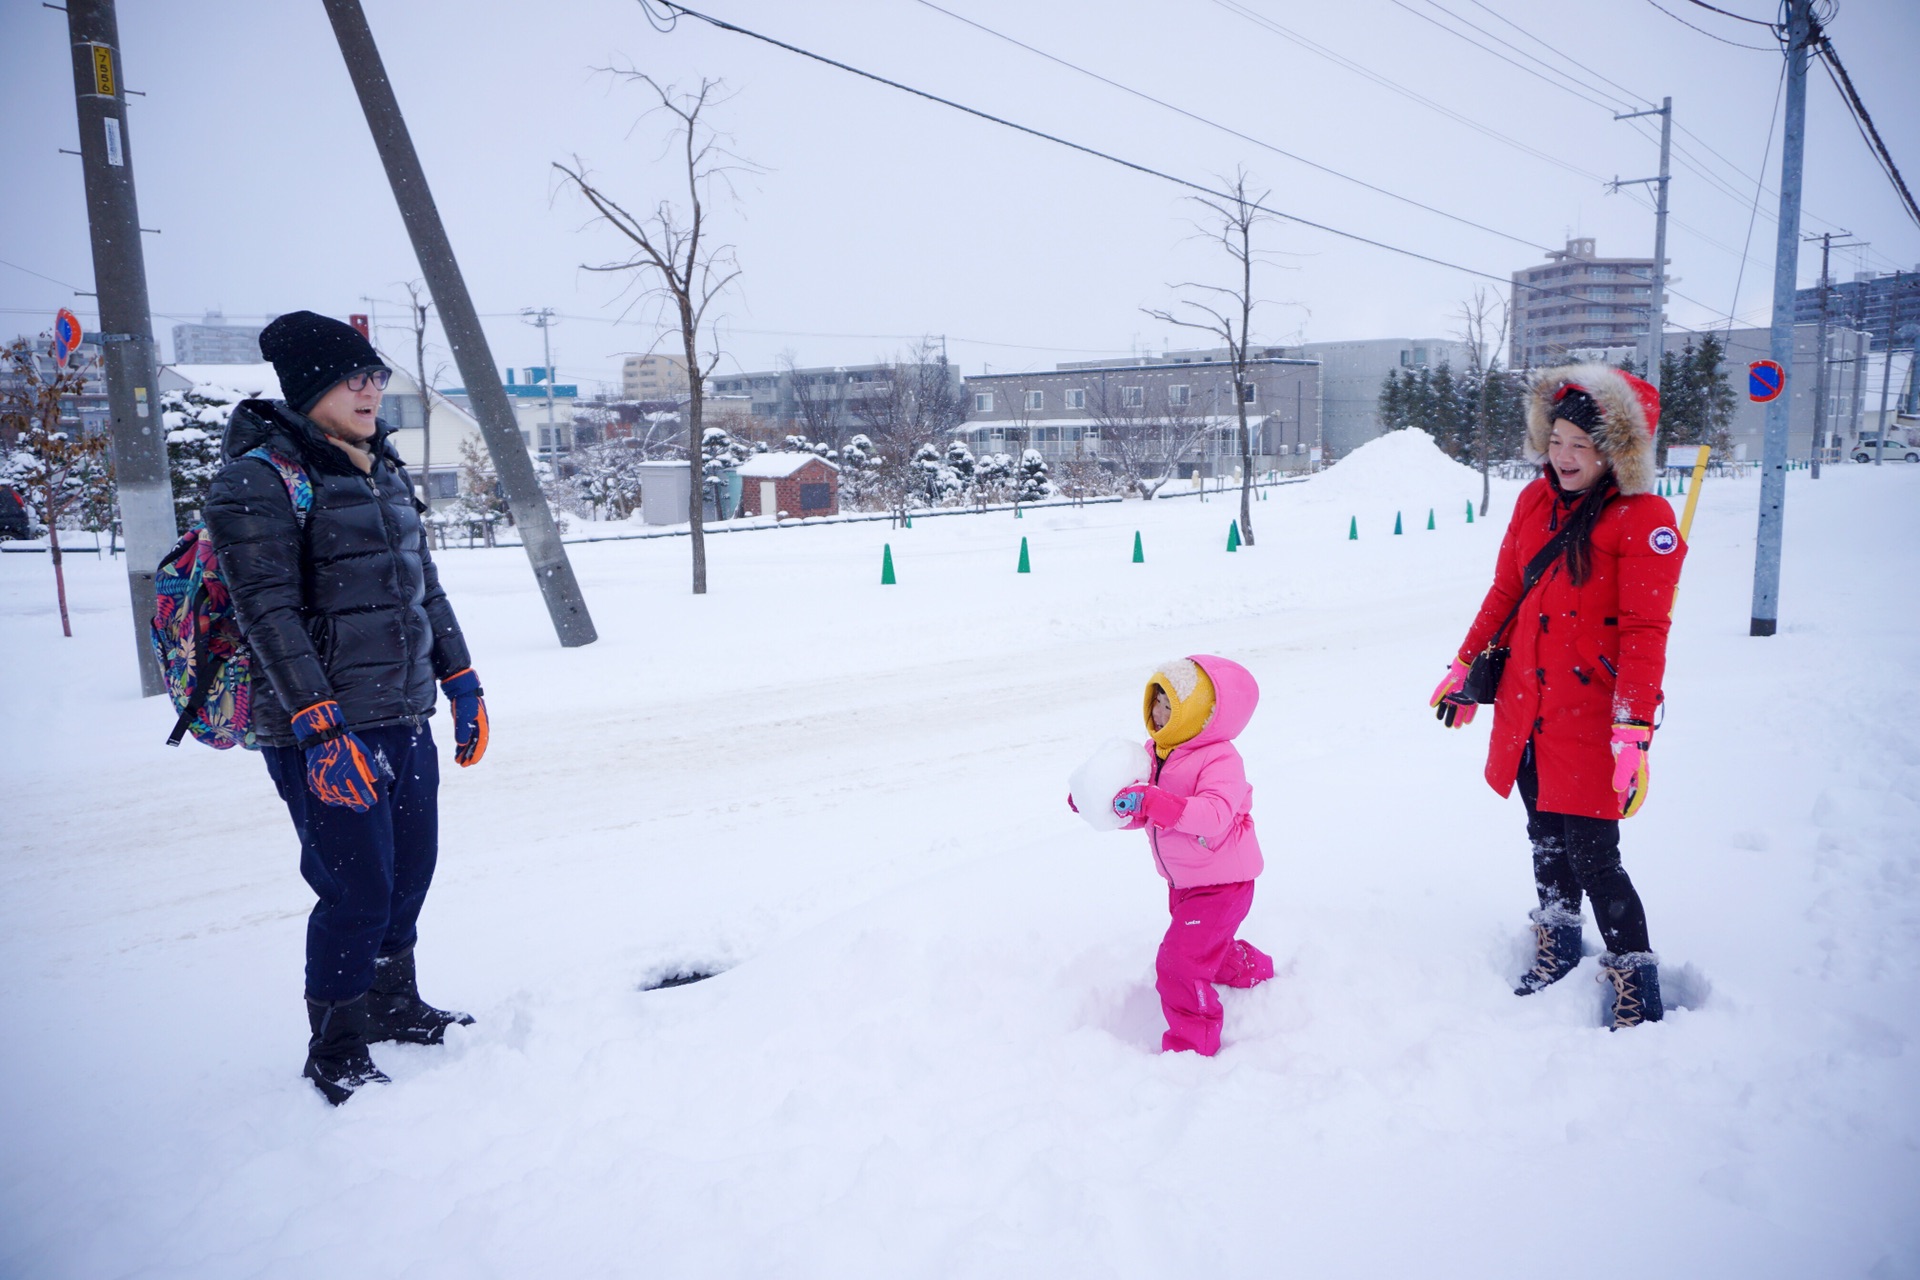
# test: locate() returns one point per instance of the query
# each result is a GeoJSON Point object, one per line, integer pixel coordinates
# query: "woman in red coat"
{"type": "Point", "coordinates": [1580, 692]}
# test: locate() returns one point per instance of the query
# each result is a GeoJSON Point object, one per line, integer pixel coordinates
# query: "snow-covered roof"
{"type": "Point", "coordinates": [257, 380]}
{"type": "Point", "coordinates": [778, 466]}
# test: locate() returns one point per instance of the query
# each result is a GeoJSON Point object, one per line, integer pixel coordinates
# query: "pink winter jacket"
{"type": "Point", "coordinates": [1213, 842]}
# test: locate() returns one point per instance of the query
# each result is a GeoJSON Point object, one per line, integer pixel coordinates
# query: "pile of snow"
{"type": "Point", "coordinates": [1401, 471]}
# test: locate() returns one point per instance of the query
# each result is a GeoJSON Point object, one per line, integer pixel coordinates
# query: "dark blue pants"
{"type": "Point", "coordinates": [371, 870]}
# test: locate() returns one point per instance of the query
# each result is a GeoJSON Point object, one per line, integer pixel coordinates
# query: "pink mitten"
{"type": "Point", "coordinates": [1163, 808]}
{"type": "Point", "coordinates": [1450, 708]}
{"type": "Point", "coordinates": [1630, 743]}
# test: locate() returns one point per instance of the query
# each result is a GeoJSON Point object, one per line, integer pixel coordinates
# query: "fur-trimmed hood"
{"type": "Point", "coordinates": [1630, 413]}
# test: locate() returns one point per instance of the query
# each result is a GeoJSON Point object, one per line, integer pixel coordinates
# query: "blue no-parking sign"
{"type": "Point", "coordinates": [1765, 381]}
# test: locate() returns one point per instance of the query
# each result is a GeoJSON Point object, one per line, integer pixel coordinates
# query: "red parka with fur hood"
{"type": "Point", "coordinates": [1587, 656]}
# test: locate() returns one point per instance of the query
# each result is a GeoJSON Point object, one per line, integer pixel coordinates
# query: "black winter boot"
{"type": "Point", "coordinates": [1636, 987]}
{"type": "Point", "coordinates": [337, 1057]}
{"type": "Point", "coordinates": [1556, 948]}
{"type": "Point", "coordinates": [396, 1011]}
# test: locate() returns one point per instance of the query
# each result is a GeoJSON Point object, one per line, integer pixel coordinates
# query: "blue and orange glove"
{"type": "Point", "coordinates": [339, 771]}
{"type": "Point", "coordinates": [1630, 743]}
{"type": "Point", "coordinates": [469, 716]}
{"type": "Point", "coordinates": [1142, 805]}
{"type": "Point", "coordinates": [1450, 706]}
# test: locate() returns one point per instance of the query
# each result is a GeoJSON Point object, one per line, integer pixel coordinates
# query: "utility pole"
{"type": "Point", "coordinates": [1886, 370]}
{"type": "Point", "coordinates": [1820, 348]}
{"type": "Point", "coordinates": [126, 338]}
{"type": "Point", "coordinates": [1658, 316]}
{"type": "Point", "coordinates": [543, 318]}
{"type": "Point", "coordinates": [1786, 266]}
{"type": "Point", "coordinates": [461, 324]}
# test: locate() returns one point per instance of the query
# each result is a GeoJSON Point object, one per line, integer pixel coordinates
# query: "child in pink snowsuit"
{"type": "Point", "coordinates": [1198, 813]}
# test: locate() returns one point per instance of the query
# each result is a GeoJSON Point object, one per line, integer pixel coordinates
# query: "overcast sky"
{"type": "Point", "coordinates": [877, 216]}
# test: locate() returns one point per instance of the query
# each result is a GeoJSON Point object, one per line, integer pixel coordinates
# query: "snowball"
{"type": "Point", "coordinates": [1119, 763]}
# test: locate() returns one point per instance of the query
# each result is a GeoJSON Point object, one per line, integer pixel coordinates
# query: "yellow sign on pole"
{"type": "Point", "coordinates": [103, 70]}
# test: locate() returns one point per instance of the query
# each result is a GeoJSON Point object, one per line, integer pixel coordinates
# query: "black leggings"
{"type": "Point", "coordinates": [1572, 854]}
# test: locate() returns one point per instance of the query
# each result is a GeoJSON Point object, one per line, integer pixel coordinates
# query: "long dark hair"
{"type": "Point", "coordinates": [1586, 508]}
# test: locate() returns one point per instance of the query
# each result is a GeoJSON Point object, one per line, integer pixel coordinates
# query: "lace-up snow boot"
{"type": "Point", "coordinates": [337, 1057]}
{"type": "Point", "coordinates": [1636, 987]}
{"type": "Point", "coordinates": [396, 1011]}
{"type": "Point", "coordinates": [1556, 948]}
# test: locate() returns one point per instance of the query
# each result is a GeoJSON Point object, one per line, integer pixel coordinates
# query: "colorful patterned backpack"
{"type": "Point", "coordinates": [196, 638]}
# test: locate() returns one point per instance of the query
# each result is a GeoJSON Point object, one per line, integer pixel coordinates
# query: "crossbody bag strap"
{"type": "Point", "coordinates": [1536, 569]}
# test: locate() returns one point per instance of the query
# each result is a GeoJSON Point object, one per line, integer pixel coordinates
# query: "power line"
{"type": "Point", "coordinates": [1740, 17]}
{"type": "Point", "coordinates": [1708, 34]}
{"type": "Point", "coordinates": [1095, 152]}
{"type": "Point", "coordinates": [1261, 20]}
{"type": "Point", "coordinates": [49, 279]}
{"type": "Point", "coordinates": [1831, 59]}
{"type": "Point", "coordinates": [1564, 84]}
{"type": "Point", "coordinates": [1229, 129]}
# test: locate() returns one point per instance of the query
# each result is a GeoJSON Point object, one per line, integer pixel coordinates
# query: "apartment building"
{"type": "Point", "coordinates": [1579, 300]}
{"type": "Point", "coordinates": [1075, 411]}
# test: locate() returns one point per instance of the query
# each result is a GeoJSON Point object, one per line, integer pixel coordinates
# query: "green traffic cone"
{"type": "Point", "coordinates": [1233, 535]}
{"type": "Point", "coordinates": [1017, 513]}
{"type": "Point", "coordinates": [909, 522]}
{"type": "Point", "coordinates": [1683, 484]}
{"type": "Point", "coordinates": [1429, 517]}
{"type": "Point", "coordinates": [1396, 524]}
{"type": "Point", "coordinates": [1026, 565]}
{"type": "Point", "coordinates": [886, 565]}
{"type": "Point", "coordinates": [1139, 552]}
{"type": "Point", "coordinates": [1353, 528]}
{"type": "Point", "coordinates": [1469, 511]}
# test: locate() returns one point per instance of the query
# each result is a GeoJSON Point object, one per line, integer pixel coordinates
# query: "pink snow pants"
{"type": "Point", "coordinates": [1199, 951]}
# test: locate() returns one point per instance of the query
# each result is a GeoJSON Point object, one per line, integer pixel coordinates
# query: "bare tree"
{"type": "Point", "coordinates": [1147, 442]}
{"type": "Point", "coordinates": [1483, 327]}
{"type": "Point", "coordinates": [1226, 312]}
{"type": "Point", "coordinates": [685, 271]}
{"type": "Point", "coordinates": [813, 408]}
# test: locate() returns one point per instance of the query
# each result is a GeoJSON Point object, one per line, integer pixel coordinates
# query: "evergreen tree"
{"type": "Point", "coordinates": [1031, 482]}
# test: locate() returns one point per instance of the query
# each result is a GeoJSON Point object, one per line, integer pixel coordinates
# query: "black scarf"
{"type": "Point", "coordinates": [1583, 512]}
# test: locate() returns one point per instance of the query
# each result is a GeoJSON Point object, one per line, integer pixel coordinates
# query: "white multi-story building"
{"type": "Point", "coordinates": [654, 377]}
{"type": "Point", "coordinates": [214, 341]}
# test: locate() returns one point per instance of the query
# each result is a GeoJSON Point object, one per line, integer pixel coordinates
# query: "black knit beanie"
{"type": "Point", "coordinates": [1577, 407]}
{"type": "Point", "coordinates": [313, 353]}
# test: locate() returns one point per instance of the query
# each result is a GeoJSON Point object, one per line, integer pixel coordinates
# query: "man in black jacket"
{"type": "Point", "coordinates": [349, 631]}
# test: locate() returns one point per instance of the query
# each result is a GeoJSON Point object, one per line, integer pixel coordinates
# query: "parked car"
{"type": "Point", "coordinates": [1898, 449]}
{"type": "Point", "coordinates": [13, 515]}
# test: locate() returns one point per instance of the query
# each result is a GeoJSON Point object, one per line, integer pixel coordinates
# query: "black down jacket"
{"type": "Point", "coordinates": [348, 608]}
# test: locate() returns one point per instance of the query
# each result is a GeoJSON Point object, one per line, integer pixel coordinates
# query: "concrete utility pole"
{"type": "Point", "coordinates": [1886, 369]}
{"type": "Point", "coordinates": [461, 323]}
{"type": "Point", "coordinates": [1820, 347]}
{"type": "Point", "coordinates": [1658, 319]}
{"type": "Point", "coordinates": [1786, 266]}
{"type": "Point", "coordinates": [126, 338]}
{"type": "Point", "coordinates": [543, 317]}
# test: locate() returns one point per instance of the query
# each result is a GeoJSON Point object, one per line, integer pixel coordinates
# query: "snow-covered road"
{"type": "Point", "coordinates": [932, 1050]}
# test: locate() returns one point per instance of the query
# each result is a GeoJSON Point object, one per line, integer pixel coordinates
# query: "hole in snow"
{"type": "Point", "coordinates": [678, 978]}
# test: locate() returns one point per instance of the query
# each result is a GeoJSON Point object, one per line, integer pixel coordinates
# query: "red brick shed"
{"type": "Point", "coordinates": [789, 484]}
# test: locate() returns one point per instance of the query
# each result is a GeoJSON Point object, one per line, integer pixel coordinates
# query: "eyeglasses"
{"type": "Point", "coordinates": [378, 377]}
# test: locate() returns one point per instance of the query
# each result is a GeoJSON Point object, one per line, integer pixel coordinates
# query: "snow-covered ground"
{"type": "Point", "coordinates": [932, 1051]}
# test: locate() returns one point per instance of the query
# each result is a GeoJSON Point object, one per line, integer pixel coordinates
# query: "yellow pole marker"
{"type": "Point", "coordinates": [1693, 500]}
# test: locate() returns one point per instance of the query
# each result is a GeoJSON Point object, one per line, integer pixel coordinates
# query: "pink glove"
{"type": "Point", "coordinates": [1070, 804]}
{"type": "Point", "coordinates": [1630, 743]}
{"type": "Point", "coordinates": [1450, 708]}
{"type": "Point", "coordinates": [1143, 804]}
